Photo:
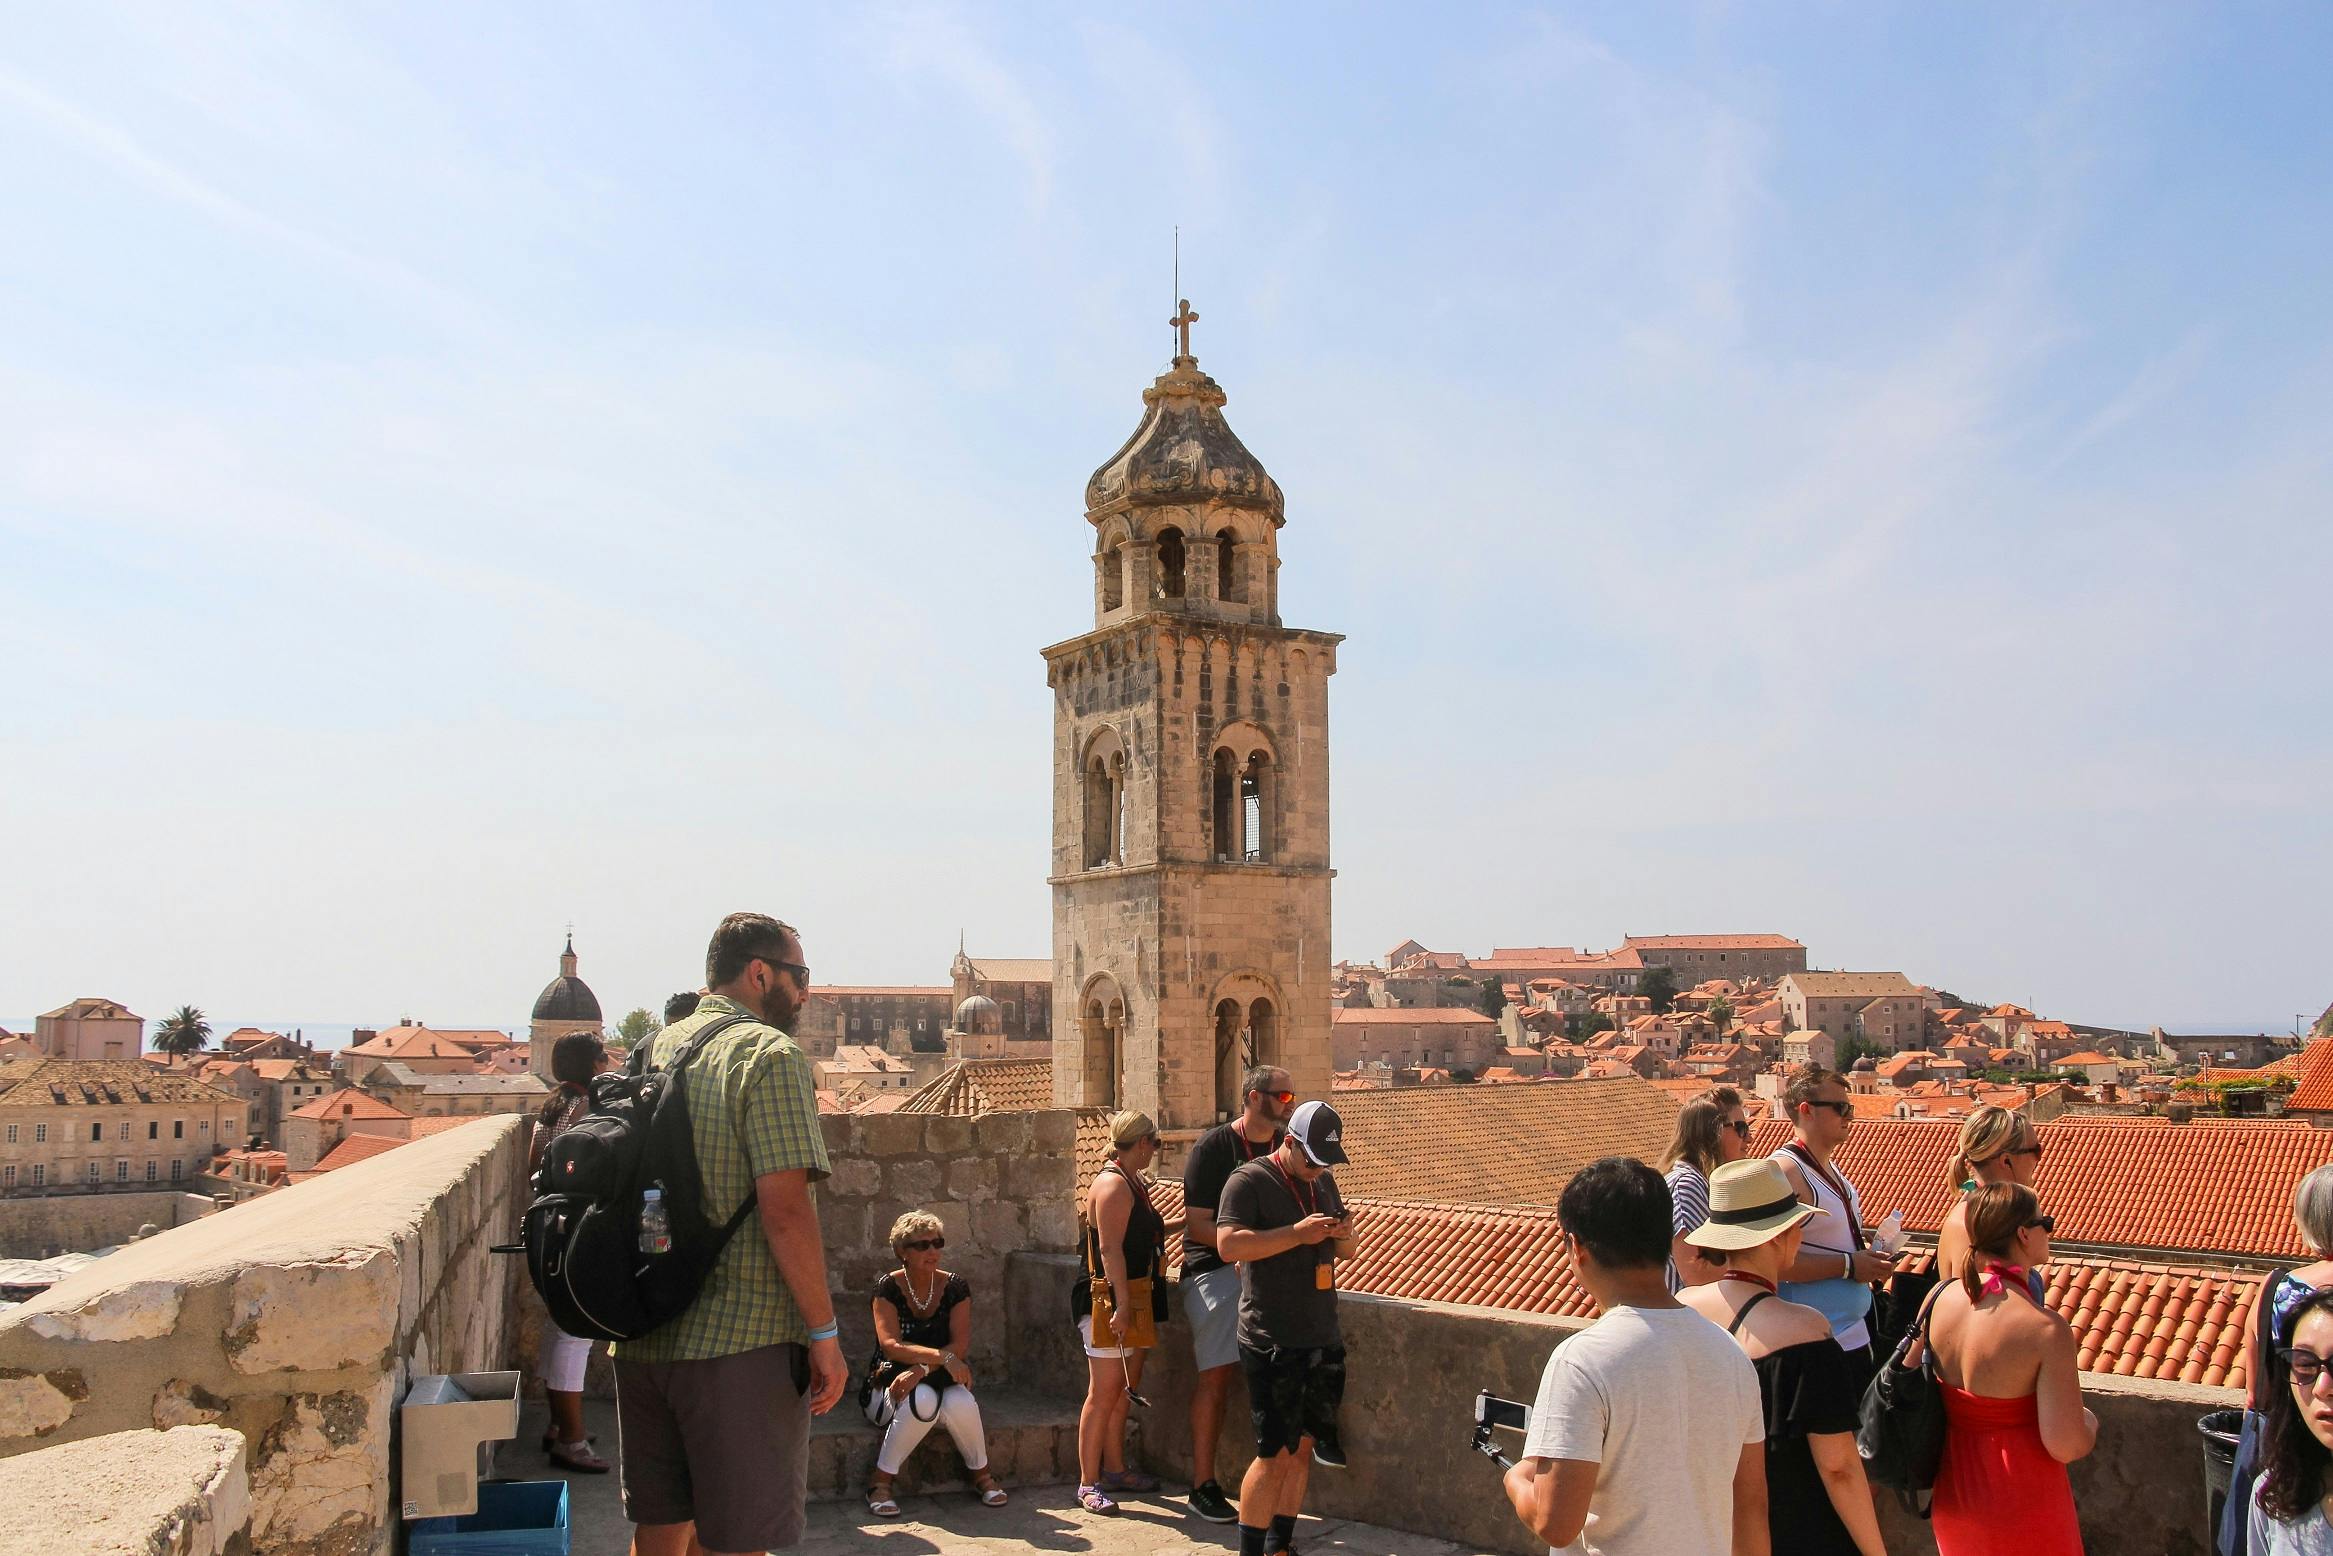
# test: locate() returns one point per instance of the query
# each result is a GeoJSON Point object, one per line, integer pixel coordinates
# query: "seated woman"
{"type": "Point", "coordinates": [2288, 1503]}
{"type": "Point", "coordinates": [923, 1331]}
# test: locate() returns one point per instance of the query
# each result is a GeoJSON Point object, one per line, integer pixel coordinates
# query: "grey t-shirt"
{"type": "Point", "coordinates": [2307, 1535]}
{"type": "Point", "coordinates": [1282, 1301]}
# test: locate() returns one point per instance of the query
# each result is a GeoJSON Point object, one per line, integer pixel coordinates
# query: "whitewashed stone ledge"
{"type": "Point", "coordinates": [294, 1320]}
{"type": "Point", "coordinates": [184, 1492]}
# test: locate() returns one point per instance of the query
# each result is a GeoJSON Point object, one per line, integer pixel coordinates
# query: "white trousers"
{"type": "Point", "coordinates": [905, 1428]}
{"type": "Point", "coordinates": [562, 1358]}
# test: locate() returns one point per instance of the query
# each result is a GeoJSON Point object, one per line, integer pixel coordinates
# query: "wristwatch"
{"type": "Point", "coordinates": [1847, 1266]}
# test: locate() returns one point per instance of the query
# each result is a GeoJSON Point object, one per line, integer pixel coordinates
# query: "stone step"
{"type": "Point", "coordinates": [1032, 1441]}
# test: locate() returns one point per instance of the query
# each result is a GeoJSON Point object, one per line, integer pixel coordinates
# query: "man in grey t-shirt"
{"type": "Point", "coordinates": [1282, 1222]}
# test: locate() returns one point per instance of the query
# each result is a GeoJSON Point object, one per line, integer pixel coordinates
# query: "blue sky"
{"type": "Point", "coordinates": [1855, 471]}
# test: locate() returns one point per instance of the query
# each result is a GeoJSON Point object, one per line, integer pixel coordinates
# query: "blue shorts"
{"type": "Point", "coordinates": [1211, 1303]}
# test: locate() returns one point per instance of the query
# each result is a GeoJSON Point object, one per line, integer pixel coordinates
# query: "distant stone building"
{"type": "Point", "coordinates": [1737, 957]}
{"type": "Point", "coordinates": [1880, 1008]}
{"type": "Point", "coordinates": [2243, 1050]}
{"type": "Point", "coordinates": [1443, 1038]}
{"type": "Point", "coordinates": [1020, 986]}
{"type": "Point", "coordinates": [90, 1029]}
{"type": "Point", "coordinates": [1190, 865]}
{"type": "Point", "coordinates": [90, 1125]}
{"type": "Point", "coordinates": [446, 1094]}
{"type": "Point", "coordinates": [565, 1005]}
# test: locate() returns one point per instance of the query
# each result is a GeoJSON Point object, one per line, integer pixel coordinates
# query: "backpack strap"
{"type": "Point", "coordinates": [680, 1061]}
{"type": "Point", "coordinates": [1755, 1298]}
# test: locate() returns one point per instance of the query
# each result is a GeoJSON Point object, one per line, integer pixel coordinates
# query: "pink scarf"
{"type": "Point", "coordinates": [2004, 1277]}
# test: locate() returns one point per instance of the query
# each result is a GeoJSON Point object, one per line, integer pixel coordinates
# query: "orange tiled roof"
{"type": "Point", "coordinates": [45, 1083]}
{"type": "Point", "coordinates": [1430, 1015]}
{"type": "Point", "coordinates": [1712, 942]}
{"type": "Point", "coordinates": [359, 1103]}
{"type": "Point", "coordinates": [1495, 1145]}
{"type": "Point", "coordinates": [2313, 1069]}
{"type": "Point", "coordinates": [409, 1042]}
{"type": "Point", "coordinates": [972, 1086]}
{"type": "Point", "coordinates": [424, 1127]}
{"type": "Point", "coordinates": [357, 1148]}
{"type": "Point", "coordinates": [2211, 1186]}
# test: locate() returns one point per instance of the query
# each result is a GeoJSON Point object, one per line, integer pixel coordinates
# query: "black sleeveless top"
{"type": "Point", "coordinates": [1805, 1388]}
{"type": "Point", "coordinates": [1144, 1245]}
{"type": "Point", "coordinates": [930, 1330]}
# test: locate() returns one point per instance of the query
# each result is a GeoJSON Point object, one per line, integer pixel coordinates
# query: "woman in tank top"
{"type": "Point", "coordinates": [1124, 1239]}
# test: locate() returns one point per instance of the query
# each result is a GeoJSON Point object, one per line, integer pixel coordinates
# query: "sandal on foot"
{"type": "Point", "coordinates": [579, 1457]}
{"type": "Point", "coordinates": [880, 1502]}
{"type": "Point", "coordinates": [1091, 1499]}
{"type": "Point", "coordinates": [991, 1494]}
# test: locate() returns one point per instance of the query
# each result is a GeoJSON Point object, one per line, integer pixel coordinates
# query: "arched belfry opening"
{"type": "Point", "coordinates": [1173, 561]}
{"type": "Point", "coordinates": [1113, 566]}
{"type": "Point", "coordinates": [1104, 785]}
{"type": "Point", "coordinates": [1102, 1038]}
{"type": "Point", "coordinates": [1247, 1034]}
{"type": "Point", "coordinates": [1229, 585]}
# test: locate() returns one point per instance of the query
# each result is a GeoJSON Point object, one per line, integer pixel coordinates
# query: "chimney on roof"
{"type": "Point", "coordinates": [2180, 1112]}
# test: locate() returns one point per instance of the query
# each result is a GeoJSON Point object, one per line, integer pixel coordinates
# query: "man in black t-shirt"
{"type": "Point", "coordinates": [1282, 1221]}
{"type": "Point", "coordinates": [1210, 1286]}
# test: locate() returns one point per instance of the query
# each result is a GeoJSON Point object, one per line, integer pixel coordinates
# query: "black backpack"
{"type": "Point", "coordinates": [582, 1230]}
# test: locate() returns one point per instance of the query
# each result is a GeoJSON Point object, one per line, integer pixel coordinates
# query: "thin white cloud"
{"type": "Point", "coordinates": [927, 42]}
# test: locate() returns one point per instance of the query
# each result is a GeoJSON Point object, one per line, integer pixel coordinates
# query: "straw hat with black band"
{"type": "Point", "coordinates": [1750, 1202]}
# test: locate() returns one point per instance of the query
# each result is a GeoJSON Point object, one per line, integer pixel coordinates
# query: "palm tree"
{"type": "Point", "coordinates": [1720, 1013]}
{"type": "Point", "coordinates": [184, 1031]}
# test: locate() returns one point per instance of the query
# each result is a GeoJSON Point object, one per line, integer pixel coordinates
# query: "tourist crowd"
{"type": "Point", "coordinates": [1752, 1331]}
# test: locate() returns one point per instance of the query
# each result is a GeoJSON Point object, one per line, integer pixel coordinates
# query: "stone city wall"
{"type": "Point", "coordinates": [183, 1492]}
{"type": "Point", "coordinates": [295, 1319]}
{"type": "Point", "coordinates": [36, 1226]}
{"type": "Point", "coordinates": [1414, 1371]}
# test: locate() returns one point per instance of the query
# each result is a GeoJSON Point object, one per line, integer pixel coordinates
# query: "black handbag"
{"type": "Point", "coordinates": [1900, 1425]}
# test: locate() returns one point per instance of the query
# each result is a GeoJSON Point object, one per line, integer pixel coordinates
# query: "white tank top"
{"type": "Point", "coordinates": [1843, 1302]}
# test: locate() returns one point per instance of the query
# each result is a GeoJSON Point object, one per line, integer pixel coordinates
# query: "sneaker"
{"type": "Point", "coordinates": [1328, 1453]}
{"type": "Point", "coordinates": [1128, 1480]}
{"type": "Point", "coordinates": [1091, 1499]}
{"type": "Point", "coordinates": [1209, 1502]}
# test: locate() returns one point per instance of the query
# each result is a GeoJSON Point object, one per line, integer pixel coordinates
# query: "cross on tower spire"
{"type": "Point", "coordinates": [1182, 321]}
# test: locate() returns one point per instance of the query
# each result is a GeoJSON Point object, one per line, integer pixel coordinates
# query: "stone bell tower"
{"type": "Point", "coordinates": [1190, 783]}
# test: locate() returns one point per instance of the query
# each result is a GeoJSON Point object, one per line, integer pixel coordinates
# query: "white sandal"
{"type": "Point", "coordinates": [992, 1494]}
{"type": "Point", "coordinates": [881, 1503]}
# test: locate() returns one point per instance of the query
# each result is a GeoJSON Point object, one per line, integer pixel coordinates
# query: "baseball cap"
{"type": "Point", "coordinates": [1319, 1134]}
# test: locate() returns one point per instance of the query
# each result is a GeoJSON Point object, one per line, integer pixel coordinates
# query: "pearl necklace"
{"type": "Point", "coordinates": [925, 1301]}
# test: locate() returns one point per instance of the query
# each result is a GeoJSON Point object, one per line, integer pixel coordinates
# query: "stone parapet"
{"type": "Point", "coordinates": [1409, 1401]}
{"type": "Point", "coordinates": [183, 1492]}
{"type": "Point", "coordinates": [295, 1319]}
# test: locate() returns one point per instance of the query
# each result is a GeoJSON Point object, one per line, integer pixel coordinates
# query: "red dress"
{"type": "Point", "coordinates": [1998, 1492]}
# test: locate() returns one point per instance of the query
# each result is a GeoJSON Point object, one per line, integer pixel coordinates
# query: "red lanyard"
{"type": "Point", "coordinates": [1747, 1279]}
{"type": "Point", "coordinates": [1308, 1201]}
{"type": "Point", "coordinates": [1247, 1151]}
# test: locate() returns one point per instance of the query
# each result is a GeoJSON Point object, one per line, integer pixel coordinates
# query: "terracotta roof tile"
{"type": "Point", "coordinates": [357, 1148]}
{"type": "Point", "coordinates": [49, 1083]}
{"type": "Point", "coordinates": [1495, 1145]}
{"type": "Point", "coordinates": [972, 1086]}
{"type": "Point", "coordinates": [2313, 1066]}
{"type": "Point", "coordinates": [2214, 1185]}
{"type": "Point", "coordinates": [1430, 1015]}
{"type": "Point", "coordinates": [358, 1104]}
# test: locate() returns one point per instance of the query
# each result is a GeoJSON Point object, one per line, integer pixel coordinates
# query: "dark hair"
{"type": "Point", "coordinates": [1997, 1212]}
{"type": "Point", "coordinates": [575, 1058]}
{"type": "Point", "coordinates": [1697, 1125]}
{"type": "Point", "coordinates": [2292, 1461]}
{"type": "Point", "coordinates": [1618, 1209]}
{"type": "Point", "coordinates": [680, 1007]}
{"type": "Point", "coordinates": [1805, 1081]}
{"type": "Point", "coordinates": [741, 938]}
{"type": "Point", "coordinates": [1258, 1078]}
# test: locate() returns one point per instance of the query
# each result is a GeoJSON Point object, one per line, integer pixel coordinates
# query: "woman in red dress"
{"type": "Point", "coordinates": [2014, 1417]}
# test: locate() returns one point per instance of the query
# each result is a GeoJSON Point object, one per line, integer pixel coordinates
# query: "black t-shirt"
{"type": "Point", "coordinates": [1218, 1153]}
{"type": "Point", "coordinates": [932, 1330]}
{"type": "Point", "coordinates": [1281, 1299]}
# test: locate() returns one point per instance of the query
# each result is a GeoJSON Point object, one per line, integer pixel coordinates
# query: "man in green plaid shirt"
{"type": "Point", "coordinates": [714, 1407]}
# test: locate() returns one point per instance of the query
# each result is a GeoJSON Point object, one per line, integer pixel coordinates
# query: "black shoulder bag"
{"type": "Point", "coordinates": [1900, 1426]}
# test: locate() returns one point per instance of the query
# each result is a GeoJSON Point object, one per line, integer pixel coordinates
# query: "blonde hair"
{"type": "Point", "coordinates": [1989, 1131]}
{"type": "Point", "coordinates": [916, 1223]}
{"type": "Point", "coordinates": [2312, 1210]}
{"type": "Point", "coordinates": [1129, 1127]}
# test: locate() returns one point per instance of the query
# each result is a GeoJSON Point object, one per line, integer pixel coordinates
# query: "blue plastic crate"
{"type": "Point", "coordinates": [514, 1518]}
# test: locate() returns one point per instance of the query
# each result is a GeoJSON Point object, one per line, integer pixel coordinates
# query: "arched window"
{"type": "Point", "coordinates": [1229, 585]}
{"type": "Point", "coordinates": [1255, 794]}
{"type": "Point", "coordinates": [1224, 809]}
{"type": "Point", "coordinates": [1113, 565]}
{"type": "Point", "coordinates": [1170, 564]}
{"type": "Point", "coordinates": [1102, 1014]}
{"type": "Point", "coordinates": [1104, 774]}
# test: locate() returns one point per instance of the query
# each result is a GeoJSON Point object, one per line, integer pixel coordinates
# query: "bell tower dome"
{"type": "Point", "coordinates": [1190, 794]}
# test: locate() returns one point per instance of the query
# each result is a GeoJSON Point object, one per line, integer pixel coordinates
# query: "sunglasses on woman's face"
{"type": "Point", "coordinates": [2048, 1224]}
{"type": "Point", "coordinates": [1740, 1126]}
{"type": "Point", "coordinates": [925, 1244]}
{"type": "Point", "coordinates": [2306, 1366]}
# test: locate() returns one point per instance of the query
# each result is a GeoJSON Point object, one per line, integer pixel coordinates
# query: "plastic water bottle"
{"type": "Point", "coordinates": [655, 1224]}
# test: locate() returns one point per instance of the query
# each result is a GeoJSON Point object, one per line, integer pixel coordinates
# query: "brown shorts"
{"type": "Point", "coordinates": [723, 1443]}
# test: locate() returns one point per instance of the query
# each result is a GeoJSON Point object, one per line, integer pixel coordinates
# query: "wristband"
{"type": "Point", "coordinates": [831, 1331]}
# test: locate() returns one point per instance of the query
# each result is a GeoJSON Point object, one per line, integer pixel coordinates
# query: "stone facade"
{"type": "Point", "coordinates": [1190, 865]}
{"type": "Point", "coordinates": [108, 1126]}
{"type": "Point", "coordinates": [1881, 1008]}
{"type": "Point", "coordinates": [83, 1223]}
{"type": "Point", "coordinates": [181, 1492]}
{"type": "Point", "coordinates": [90, 1029]}
{"type": "Point", "coordinates": [295, 1319]}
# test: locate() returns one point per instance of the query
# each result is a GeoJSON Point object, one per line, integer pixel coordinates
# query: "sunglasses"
{"type": "Point", "coordinates": [925, 1244]}
{"type": "Point", "coordinates": [796, 968]}
{"type": "Point", "coordinates": [2048, 1224]}
{"type": "Point", "coordinates": [1740, 1126]}
{"type": "Point", "coordinates": [2306, 1366]}
{"type": "Point", "coordinates": [1281, 1097]}
{"type": "Point", "coordinates": [2033, 1150]}
{"type": "Point", "coordinates": [1842, 1108]}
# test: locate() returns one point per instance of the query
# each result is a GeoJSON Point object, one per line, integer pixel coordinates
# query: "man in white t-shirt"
{"type": "Point", "coordinates": [1647, 1438]}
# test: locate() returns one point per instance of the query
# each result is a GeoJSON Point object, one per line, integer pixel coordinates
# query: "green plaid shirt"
{"type": "Point", "coordinates": [753, 1107]}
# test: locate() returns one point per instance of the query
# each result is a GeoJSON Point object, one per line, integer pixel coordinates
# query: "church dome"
{"type": "Point", "coordinates": [567, 997]}
{"type": "Point", "coordinates": [1183, 452]}
{"type": "Point", "coordinates": [979, 1015]}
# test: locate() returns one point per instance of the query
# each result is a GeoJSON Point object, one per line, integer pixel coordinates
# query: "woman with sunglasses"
{"type": "Point", "coordinates": [923, 1332]}
{"type": "Point", "coordinates": [2013, 1411]}
{"type": "Point", "coordinates": [2270, 1331]}
{"type": "Point", "coordinates": [1125, 1251]}
{"type": "Point", "coordinates": [1996, 1146]}
{"type": "Point", "coordinates": [2287, 1511]}
{"type": "Point", "coordinates": [1712, 1130]}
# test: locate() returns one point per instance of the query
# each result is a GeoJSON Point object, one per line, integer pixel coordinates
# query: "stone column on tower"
{"type": "Point", "coordinates": [1190, 866]}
